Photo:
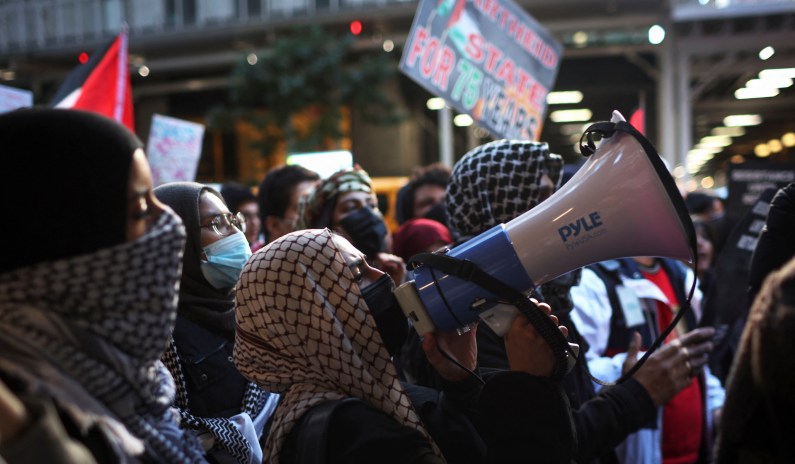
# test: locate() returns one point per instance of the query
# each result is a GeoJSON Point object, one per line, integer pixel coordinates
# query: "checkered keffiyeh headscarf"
{"type": "Point", "coordinates": [101, 321]}
{"type": "Point", "coordinates": [496, 182]}
{"type": "Point", "coordinates": [314, 210]}
{"type": "Point", "coordinates": [304, 330]}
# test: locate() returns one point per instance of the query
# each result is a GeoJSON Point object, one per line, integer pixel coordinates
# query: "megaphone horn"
{"type": "Point", "coordinates": [621, 203]}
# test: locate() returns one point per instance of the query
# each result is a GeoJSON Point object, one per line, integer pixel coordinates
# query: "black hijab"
{"type": "Point", "coordinates": [68, 172]}
{"type": "Point", "coordinates": [199, 301]}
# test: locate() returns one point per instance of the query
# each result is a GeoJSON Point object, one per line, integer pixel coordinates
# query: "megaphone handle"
{"type": "Point", "coordinates": [470, 271]}
{"type": "Point", "coordinates": [551, 334]}
{"type": "Point", "coordinates": [500, 317]}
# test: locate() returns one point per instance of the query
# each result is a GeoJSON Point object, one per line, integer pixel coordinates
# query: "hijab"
{"type": "Point", "coordinates": [199, 301]}
{"type": "Point", "coordinates": [69, 172]}
{"type": "Point", "coordinates": [417, 235]}
{"type": "Point", "coordinates": [212, 309]}
{"type": "Point", "coordinates": [304, 330]}
{"type": "Point", "coordinates": [87, 325]}
{"type": "Point", "coordinates": [496, 182]}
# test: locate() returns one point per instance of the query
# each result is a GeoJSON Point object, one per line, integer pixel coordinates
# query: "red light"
{"type": "Point", "coordinates": [82, 57]}
{"type": "Point", "coordinates": [356, 27]}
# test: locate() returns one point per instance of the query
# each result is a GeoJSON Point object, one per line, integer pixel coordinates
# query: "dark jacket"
{"type": "Point", "coordinates": [602, 421]}
{"type": "Point", "coordinates": [214, 386]}
{"type": "Point", "coordinates": [514, 418]}
{"type": "Point", "coordinates": [51, 436]}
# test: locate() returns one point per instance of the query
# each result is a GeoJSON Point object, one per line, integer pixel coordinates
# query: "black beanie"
{"type": "Point", "coordinates": [66, 176]}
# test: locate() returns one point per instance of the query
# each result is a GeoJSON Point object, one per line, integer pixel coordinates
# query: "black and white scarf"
{"type": "Point", "coordinates": [214, 310]}
{"type": "Point", "coordinates": [226, 434]}
{"type": "Point", "coordinates": [497, 182]}
{"type": "Point", "coordinates": [89, 332]}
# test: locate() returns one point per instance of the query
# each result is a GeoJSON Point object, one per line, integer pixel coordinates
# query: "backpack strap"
{"type": "Point", "coordinates": [611, 279]}
{"type": "Point", "coordinates": [620, 333]}
{"type": "Point", "coordinates": [312, 433]}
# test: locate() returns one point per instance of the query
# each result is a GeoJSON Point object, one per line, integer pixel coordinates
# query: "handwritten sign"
{"type": "Point", "coordinates": [174, 149]}
{"type": "Point", "coordinates": [12, 98]}
{"type": "Point", "coordinates": [487, 58]}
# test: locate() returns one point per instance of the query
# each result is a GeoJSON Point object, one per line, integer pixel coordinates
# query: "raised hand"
{"type": "Point", "coordinates": [669, 369]}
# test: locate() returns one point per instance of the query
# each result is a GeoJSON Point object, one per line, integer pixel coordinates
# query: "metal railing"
{"type": "Point", "coordinates": [683, 10]}
{"type": "Point", "coordinates": [27, 25]}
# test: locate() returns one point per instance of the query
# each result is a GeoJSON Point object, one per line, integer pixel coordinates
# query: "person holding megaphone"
{"type": "Point", "coordinates": [499, 183]}
{"type": "Point", "coordinates": [319, 325]}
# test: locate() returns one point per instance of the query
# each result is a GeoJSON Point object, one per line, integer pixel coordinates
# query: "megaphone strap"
{"type": "Point", "coordinates": [607, 129]}
{"type": "Point", "coordinates": [603, 128]}
{"type": "Point", "coordinates": [588, 148]}
{"type": "Point", "coordinates": [467, 270]}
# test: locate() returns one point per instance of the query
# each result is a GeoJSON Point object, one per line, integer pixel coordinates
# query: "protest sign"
{"type": "Point", "coordinates": [726, 303]}
{"type": "Point", "coordinates": [174, 149]}
{"type": "Point", "coordinates": [12, 98]}
{"type": "Point", "coordinates": [487, 58]}
{"type": "Point", "coordinates": [748, 180]}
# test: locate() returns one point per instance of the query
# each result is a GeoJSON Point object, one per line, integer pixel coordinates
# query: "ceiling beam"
{"type": "Point", "coordinates": [733, 42]}
{"type": "Point", "coordinates": [782, 105]}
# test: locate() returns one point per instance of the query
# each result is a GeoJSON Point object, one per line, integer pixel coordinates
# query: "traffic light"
{"type": "Point", "coordinates": [82, 57]}
{"type": "Point", "coordinates": [356, 27]}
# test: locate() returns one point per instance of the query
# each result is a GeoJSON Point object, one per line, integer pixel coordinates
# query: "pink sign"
{"type": "Point", "coordinates": [174, 149]}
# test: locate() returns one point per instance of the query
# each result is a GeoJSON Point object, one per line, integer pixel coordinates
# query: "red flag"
{"type": "Point", "coordinates": [102, 85]}
{"type": "Point", "coordinates": [638, 120]}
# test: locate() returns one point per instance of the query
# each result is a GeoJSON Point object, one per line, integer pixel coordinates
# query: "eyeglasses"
{"type": "Point", "coordinates": [227, 223]}
{"type": "Point", "coordinates": [356, 269]}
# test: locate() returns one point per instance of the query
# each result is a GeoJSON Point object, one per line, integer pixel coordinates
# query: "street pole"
{"type": "Point", "coordinates": [446, 136]}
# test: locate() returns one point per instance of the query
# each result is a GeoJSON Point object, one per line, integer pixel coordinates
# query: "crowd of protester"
{"type": "Point", "coordinates": [184, 324]}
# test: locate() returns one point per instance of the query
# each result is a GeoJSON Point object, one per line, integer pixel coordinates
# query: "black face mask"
{"type": "Point", "coordinates": [367, 231]}
{"type": "Point", "coordinates": [438, 213]}
{"type": "Point", "coordinates": [389, 318]}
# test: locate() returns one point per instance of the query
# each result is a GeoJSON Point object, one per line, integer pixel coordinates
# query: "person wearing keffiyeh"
{"type": "Point", "coordinates": [346, 203]}
{"type": "Point", "coordinates": [498, 181]}
{"type": "Point", "coordinates": [493, 184]}
{"type": "Point", "coordinates": [88, 295]}
{"type": "Point", "coordinates": [310, 328]}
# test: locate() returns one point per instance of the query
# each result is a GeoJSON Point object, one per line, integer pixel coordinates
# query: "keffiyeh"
{"type": "Point", "coordinates": [304, 330]}
{"type": "Point", "coordinates": [497, 182]}
{"type": "Point", "coordinates": [314, 210]}
{"type": "Point", "coordinates": [89, 331]}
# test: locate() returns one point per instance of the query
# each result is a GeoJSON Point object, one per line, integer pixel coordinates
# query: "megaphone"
{"type": "Point", "coordinates": [621, 203]}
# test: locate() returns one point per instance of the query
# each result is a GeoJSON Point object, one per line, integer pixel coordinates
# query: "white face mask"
{"type": "Point", "coordinates": [225, 260]}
